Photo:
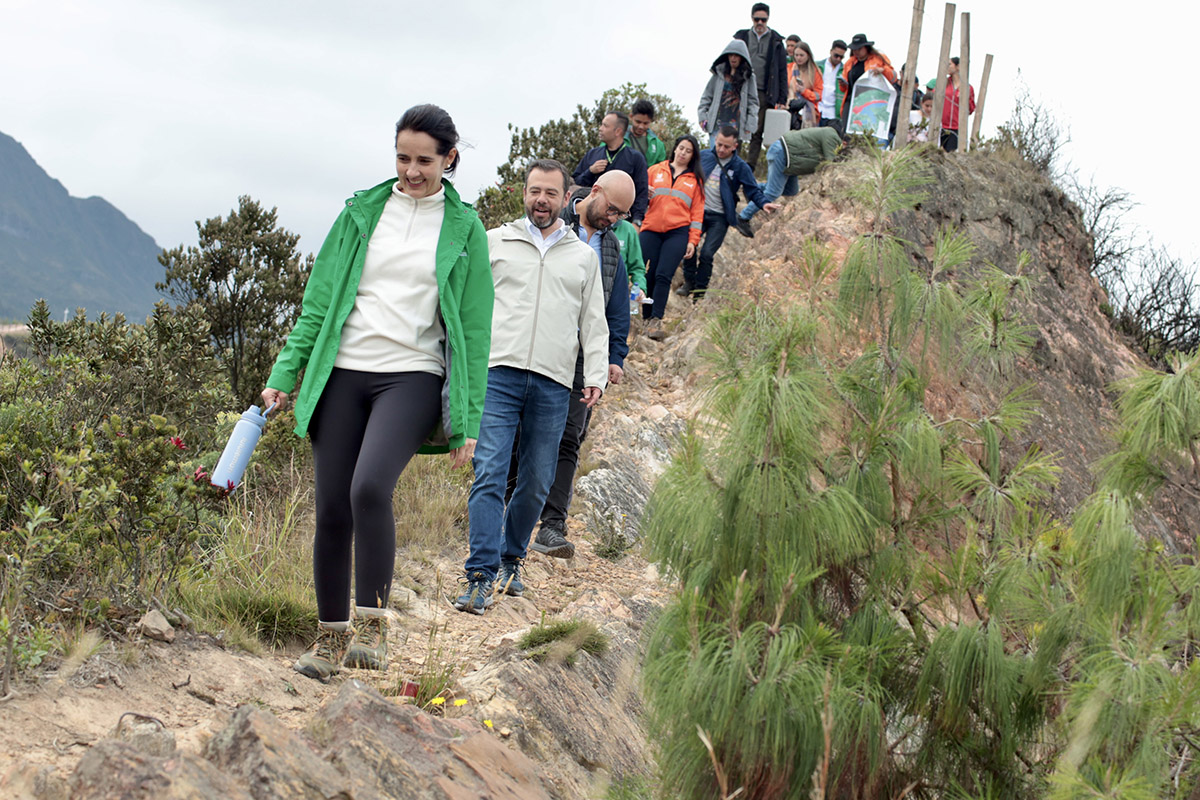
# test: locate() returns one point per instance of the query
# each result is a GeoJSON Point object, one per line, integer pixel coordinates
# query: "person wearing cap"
{"type": "Point", "coordinates": [863, 58]}
{"type": "Point", "coordinates": [950, 106]}
{"type": "Point", "coordinates": [833, 88]}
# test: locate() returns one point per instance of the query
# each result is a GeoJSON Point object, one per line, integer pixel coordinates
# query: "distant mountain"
{"type": "Point", "coordinates": [70, 251]}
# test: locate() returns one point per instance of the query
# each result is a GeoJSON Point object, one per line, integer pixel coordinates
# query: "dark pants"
{"type": "Point", "coordinates": [756, 137]}
{"type": "Point", "coordinates": [663, 252]}
{"type": "Point", "coordinates": [554, 512]}
{"type": "Point", "coordinates": [698, 275]}
{"type": "Point", "coordinates": [949, 141]}
{"type": "Point", "coordinates": [365, 428]}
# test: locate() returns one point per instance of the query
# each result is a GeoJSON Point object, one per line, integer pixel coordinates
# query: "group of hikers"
{"type": "Point", "coordinates": [420, 332]}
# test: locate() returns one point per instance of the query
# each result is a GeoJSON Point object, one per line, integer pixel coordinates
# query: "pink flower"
{"type": "Point", "coordinates": [175, 440]}
{"type": "Point", "coordinates": [199, 476]}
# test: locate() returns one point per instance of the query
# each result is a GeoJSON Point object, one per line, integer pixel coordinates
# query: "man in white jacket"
{"type": "Point", "coordinates": [549, 303]}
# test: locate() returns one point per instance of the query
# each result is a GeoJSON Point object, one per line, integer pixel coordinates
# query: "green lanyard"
{"type": "Point", "coordinates": [614, 155]}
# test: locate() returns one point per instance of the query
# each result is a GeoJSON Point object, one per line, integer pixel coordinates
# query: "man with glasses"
{"type": "Point", "coordinates": [592, 215]}
{"type": "Point", "coordinates": [835, 88]}
{"type": "Point", "coordinates": [616, 154]}
{"type": "Point", "coordinates": [768, 58]}
{"type": "Point", "coordinates": [552, 307]}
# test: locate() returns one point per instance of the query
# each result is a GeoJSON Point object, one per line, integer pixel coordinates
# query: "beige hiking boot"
{"type": "Point", "coordinates": [324, 660]}
{"type": "Point", "coordinates": [654, 329]}
{"type": "Point", "coordinates": [369, 648]}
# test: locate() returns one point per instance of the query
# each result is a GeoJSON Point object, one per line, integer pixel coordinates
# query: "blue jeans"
{"type": "Point", "coordinates": [538, 406]}
{"type": "Point", "coordinates": [777, 183]}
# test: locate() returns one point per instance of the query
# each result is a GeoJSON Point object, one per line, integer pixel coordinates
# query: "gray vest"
{"type": "Point", "coordinates": [610, 248]}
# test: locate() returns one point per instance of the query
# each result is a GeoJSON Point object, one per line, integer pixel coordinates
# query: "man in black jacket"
{"type": "Point", "coordinates": [768, 57]}
{"type": "Point", "coordinates": [616, 154]}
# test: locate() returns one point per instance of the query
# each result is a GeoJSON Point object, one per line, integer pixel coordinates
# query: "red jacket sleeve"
{"type": "Point", "coordinates": [813, 93]}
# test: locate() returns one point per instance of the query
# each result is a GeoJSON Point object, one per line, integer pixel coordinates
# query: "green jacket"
{"type": "Point", "coordinates": [465, 296]}
{"type": "Point", "coordinates": [631, 252]}
{"type": "Point", "coordinates": [656, 151]}
{"type": "Point", "coordinates": [807, 148]}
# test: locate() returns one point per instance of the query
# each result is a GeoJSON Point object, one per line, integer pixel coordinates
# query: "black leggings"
{"type": "Point", "coordinates": [365, 428]}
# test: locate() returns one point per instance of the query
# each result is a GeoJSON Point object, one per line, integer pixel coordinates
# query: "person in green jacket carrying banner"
{"type": "Point", "coordinates": [393, 339]}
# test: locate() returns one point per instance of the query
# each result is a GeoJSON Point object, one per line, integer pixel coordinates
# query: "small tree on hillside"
{"type": "Point", "coordinates": [568, 140]}
{"type": "Point", "coordinates": [247, 278]}
{"type": "Point", "coordinates": [874, 600]}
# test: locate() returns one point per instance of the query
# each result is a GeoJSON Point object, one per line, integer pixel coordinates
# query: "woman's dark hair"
{"type": "Point", "coordinates": [433, 120]}
{"type": "Point", "coordinates": [693, 166]}
{"type": "Point", "coordinates": [744, 70]}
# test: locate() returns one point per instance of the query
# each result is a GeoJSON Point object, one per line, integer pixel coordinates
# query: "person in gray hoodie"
{"type": "Point", "coordinates": [731, 96]}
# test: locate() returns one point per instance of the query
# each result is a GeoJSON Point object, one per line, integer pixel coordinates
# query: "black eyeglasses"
{"type": "Point", "coordinates": [613, 211]}
{"type": "Point", "coordinates": [759, 19]}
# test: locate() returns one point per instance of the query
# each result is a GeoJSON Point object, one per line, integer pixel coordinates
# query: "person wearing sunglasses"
{"type": "Point", "coordinates": [768, 59]}
{"type": "Point", "coordinates": [833, 88]}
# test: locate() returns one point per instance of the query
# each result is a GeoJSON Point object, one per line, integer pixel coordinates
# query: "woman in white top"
{"type": "Point", "coordinates": [393, 340]}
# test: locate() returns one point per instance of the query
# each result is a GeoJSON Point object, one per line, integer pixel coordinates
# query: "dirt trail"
{"type": "Point", "coordinates": [195, 684]}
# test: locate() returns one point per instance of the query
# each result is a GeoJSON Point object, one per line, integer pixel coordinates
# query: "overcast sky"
{"type": "Point", "coordinates": [171, 110]}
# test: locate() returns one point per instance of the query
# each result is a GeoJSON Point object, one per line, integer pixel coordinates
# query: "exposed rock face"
{"type": "Point", "coordinates": [360, 746]}
{"type": "Point", "coordinates": [115, 769]}
{"type": "Point", "coordinates": [574, 720]}
{"type": "Point", "coordinates": [393, 750]}
{"type": "Point", "coordinates": [258, 752]}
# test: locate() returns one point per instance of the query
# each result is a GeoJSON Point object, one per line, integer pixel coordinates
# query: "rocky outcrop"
{"type": "Point", "coordinates": [359, 746]}
{"type": "Point", "coordinates": [580, 722]}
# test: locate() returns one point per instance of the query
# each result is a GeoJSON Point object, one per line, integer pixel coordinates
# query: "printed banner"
{"type": "Point", "coordinates": [871, 106]}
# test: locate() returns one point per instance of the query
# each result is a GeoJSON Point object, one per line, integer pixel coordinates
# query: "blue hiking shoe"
{"type": "Point", "coordinates": [508, 579]}
{"type": "Point", "coordinates": [477, 593]}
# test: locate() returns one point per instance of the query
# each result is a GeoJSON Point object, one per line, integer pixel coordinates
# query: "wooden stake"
{"type": "Point", "coordinates": [939, 91]}
{"type": "Point", "coordinates": [983, 82]}
{"type": "Point", "coordinates": [910, 74]}
{"type": "Point", "coordinates": [964, 80]}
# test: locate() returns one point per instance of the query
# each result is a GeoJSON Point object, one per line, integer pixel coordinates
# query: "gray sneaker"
{"type": "Point", "coordinates": [552, 541]}
{"type": "Point", "coordinates": [508, 579]}
{"type": "Point", "coordinates": [369, 648]}
{"type": "Point", "coordinates": [477, 594]}
{"type": "Point", "coordinates": [324, 660]}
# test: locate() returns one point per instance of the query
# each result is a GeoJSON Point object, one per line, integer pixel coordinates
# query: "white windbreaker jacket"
{"type": "Point", "coordinates": [547, 305]}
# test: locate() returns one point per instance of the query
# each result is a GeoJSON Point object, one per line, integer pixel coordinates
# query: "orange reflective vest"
{"type": "Point", "coordinates": [674, 202]}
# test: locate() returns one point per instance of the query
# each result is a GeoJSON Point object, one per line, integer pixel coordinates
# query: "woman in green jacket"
{"type": "Point", "coordinates": [393, 339]}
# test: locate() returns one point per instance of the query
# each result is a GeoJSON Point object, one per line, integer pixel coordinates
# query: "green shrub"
{"type": "Point", "coordinates": [560, 640]}
{"type": "Point", "coordinates": [103, 495]}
